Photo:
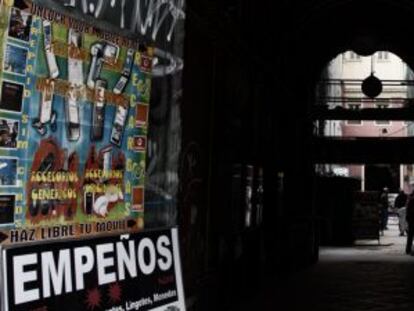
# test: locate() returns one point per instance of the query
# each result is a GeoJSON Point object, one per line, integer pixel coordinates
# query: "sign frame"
{"type": "Point", "coordinates": [6, 271]}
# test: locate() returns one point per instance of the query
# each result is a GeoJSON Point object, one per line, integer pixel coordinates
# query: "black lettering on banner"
{"type": "Point", "coordinates": [125, 272]}
{"type": "Point", "coordinates": [24, 235]}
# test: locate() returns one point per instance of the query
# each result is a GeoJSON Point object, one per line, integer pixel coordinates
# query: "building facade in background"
{"type": "Point", "coordinates": [342, 87]}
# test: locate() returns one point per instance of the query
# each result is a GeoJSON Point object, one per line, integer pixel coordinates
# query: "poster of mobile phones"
{"type": "Point", "coordinates": [73, 109]}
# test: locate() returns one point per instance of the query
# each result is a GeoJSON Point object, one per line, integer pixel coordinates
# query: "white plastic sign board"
{"type": "Point", "coordinates": [139, 271]}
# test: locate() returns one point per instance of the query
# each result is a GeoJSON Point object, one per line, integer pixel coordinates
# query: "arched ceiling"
{"type": "Point", "coordinates": [326, 28]}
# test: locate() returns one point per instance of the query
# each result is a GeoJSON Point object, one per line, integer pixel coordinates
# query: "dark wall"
{"type": "Point", "coordinates": [195, 159]}
{"type": "Point", "coordinates": [227, 143]}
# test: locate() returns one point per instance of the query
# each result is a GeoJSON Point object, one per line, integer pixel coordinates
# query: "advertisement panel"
{"type": "Point", "coordinates": [139, 271]}
{"type": "Point", "coordinates": [73, 126]}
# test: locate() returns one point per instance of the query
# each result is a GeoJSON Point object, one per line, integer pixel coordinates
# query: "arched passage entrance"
{"type": "Point", "coordinates": [318, 35]}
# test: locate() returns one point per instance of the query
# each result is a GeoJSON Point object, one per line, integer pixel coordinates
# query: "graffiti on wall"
{"type": "Point", "coordinates": [146, 17]}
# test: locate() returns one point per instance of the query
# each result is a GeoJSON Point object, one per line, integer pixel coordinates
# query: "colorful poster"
{"type": "Point", "coordinates": [139, 271]}
{"type": "Point", "coordinates": [73, 126]}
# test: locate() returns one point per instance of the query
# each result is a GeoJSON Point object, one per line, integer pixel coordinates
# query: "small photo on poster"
{"type": "Point", "coordinates": [8, 172]}
{"type": "Point", "coordinates": [141, 115]}
{"type": "Point", "coordinates": [140, 143]}
{"type": "Point", "coordinates": [9, 130]}
{"type": "Point", "coordinates": [146, 63]}
{"type": "Point", "coordinates": [19, 27]}
{"type": "Point", "coordinates": [15, 59]}
{"type": "Point", "coordinates": [7, 202]}
{"type": "Point", "coordinates": [11, 96]}
{"type": "Point", "coordinates": [138, 199]}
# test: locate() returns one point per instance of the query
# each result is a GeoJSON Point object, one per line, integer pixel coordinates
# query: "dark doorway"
{"type": "Point", "coordinates": [379, 176]}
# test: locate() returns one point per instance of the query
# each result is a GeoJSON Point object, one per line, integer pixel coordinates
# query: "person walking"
{"type": "Point", "coordinates": [399, 205]}
{"type": "Point", "coordinates": [410, 222]}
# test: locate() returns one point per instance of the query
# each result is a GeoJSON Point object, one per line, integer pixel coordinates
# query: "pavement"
{"type": "Point", "coordinates": [369, 277]}
{"type": "Point", "coordinates": [390, 247]}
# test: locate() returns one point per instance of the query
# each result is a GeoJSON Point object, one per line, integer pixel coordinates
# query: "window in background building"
{"type": "Point", "coordinates": [382, 55]}
{"type": "Point", "coordinates": [351, 56]}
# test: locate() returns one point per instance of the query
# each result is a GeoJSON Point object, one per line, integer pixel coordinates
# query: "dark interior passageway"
{"type": "Point", "coordinates": [251, 75]}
